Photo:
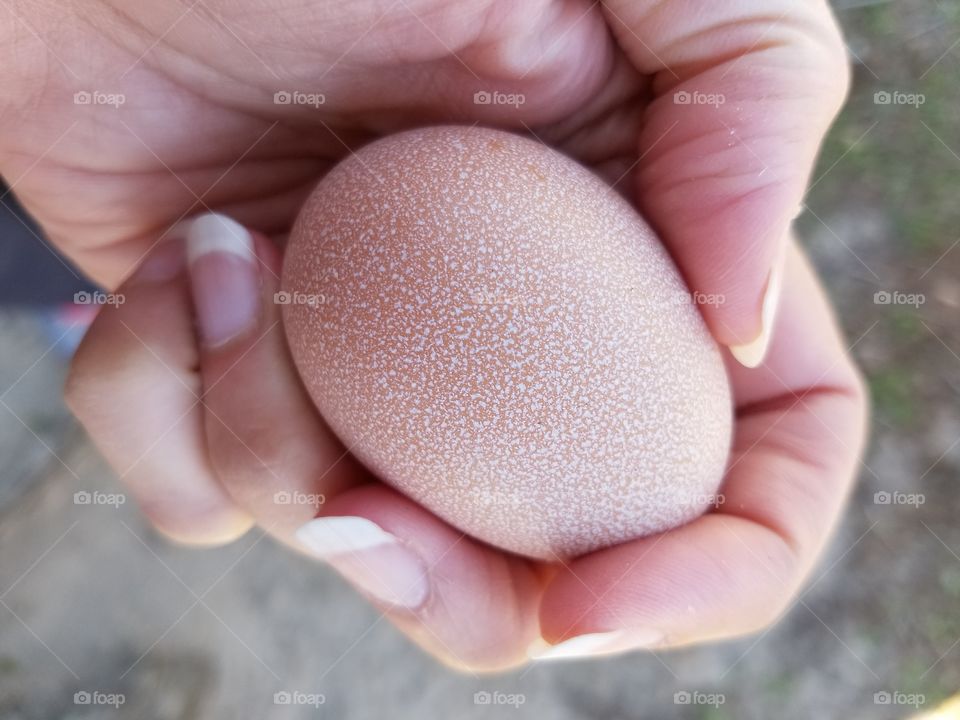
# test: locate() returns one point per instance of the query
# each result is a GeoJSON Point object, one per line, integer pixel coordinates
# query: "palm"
{"type": "Point", "coordinates": [189, 137]}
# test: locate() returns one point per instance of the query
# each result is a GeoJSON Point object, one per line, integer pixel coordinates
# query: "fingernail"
{"type": "Point", "coordinates": [223, 276]}
{"type": "Point", "coordinates": [215, 529]}
{"type": "Point", "coordinates": [752, 353]}
{"type": "Point", "coordinates": [596, 644]}
{"type": "Point", "coordinates": [369, 557]}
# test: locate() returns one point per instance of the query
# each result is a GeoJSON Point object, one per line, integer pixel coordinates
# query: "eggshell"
{"type": "Point", "coordinates": [496, 333]}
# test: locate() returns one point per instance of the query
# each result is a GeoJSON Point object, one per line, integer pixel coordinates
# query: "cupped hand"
{"type": "Point", "coordinates": [708, 115]}
{"type": "Point", "coordinates": [709, 118]}
{"type": "Point", "coordinates": [211, 436]}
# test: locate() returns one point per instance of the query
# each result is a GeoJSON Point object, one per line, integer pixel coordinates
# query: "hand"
{"type": "Point", "coordinates": [720, 182]}
{"type": "Point", "coordinates": [707, 114]}
{"type": "Point", "coordinates": [199, 432]}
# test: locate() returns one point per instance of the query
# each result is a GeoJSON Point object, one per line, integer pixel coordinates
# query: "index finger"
{"type": "Point", "coordinates": [743, 94]}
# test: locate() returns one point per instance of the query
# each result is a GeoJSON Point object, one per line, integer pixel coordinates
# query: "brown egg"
{"type": "Point", "coordinates": [496, 333]}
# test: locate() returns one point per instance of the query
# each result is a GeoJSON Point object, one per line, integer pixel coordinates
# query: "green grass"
{"type": "Point", "coordinates": [950, 580]}
{"type": "Point", "coordinates": [780, 687]}
{"type": "Point", "coordinates": [908, 164]}
{"type": "Point", "coordinates": [905, 324]}
{"type": "Point", "coordinates": [893, 396]}
{"type": "Point", "coordinates": [708, 712]}
{"type": "Point", "coordinates": [878, 20]}
{"type": "Point", "coordinates": [915, 676]}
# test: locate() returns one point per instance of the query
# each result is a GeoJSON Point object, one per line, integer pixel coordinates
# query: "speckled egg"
{"type": "Point", "coordinates": [496, 333]}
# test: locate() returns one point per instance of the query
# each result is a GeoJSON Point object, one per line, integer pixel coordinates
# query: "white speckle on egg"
{"type": "Point", "coordinates": [501, 340]}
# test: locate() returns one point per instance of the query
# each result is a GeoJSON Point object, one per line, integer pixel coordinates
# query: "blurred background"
{"type": "Point", "coordinates": [92, 600]}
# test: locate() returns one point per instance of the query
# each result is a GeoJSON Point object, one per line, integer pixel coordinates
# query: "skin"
{"type": "Point", "coordinates": [199, 130]}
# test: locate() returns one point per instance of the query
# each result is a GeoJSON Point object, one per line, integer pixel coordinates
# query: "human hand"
{"type": "Point", "coordinates": [707, 115]}
{"type": "Point", "coordinates": [228, 429]}
{"type": "Point", "coordinates": [732, 173]}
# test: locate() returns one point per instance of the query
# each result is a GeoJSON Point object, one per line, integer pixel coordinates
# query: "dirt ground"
{"type": "Point", "coordinates": [92, 601]}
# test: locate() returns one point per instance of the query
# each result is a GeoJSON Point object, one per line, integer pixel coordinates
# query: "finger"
{"type": "Point", "coordinates": [796, 448]}
{"type": "Point", "coordinates": [134, 386]}
{"type": "Point", "coordinates": [268, 444]}
{"type": "Point", "coordinates": [744, 92]}
{"type": "Point", "coordinates": [471, 606]}
{"type": "Point", "coordinates": [465, 603]}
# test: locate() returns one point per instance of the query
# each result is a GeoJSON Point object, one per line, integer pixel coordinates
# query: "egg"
{"type": "Point", "coordinates": [496, 333]}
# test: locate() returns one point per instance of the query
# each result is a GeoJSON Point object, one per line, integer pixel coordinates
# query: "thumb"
{"type": "Point", "coordinates": [744, 93]}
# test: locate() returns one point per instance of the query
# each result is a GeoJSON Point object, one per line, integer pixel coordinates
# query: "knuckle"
{"type": "Point", "coordinates": [73, 394]}
{"type": "Point", "coordinates": [253, 457]}
{"type": "Point", "coordinates": [768, 614]}
{"type": "Point", "coordinates": [86, 390]}
{"type": "Point", "coordinates": [827, 54]}
{"type": "Point", "coordinates": [783, 587]}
